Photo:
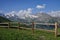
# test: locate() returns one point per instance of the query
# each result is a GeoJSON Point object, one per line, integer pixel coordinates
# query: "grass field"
{"type": "Point", "coordinates": [15, 34]}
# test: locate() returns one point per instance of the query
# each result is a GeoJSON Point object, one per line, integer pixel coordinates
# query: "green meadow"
{"type": "Point", "coordinates": [23, 34]}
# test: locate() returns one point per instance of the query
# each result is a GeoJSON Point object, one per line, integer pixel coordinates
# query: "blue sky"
{"type": "Point", "coordinates": [16, 5]}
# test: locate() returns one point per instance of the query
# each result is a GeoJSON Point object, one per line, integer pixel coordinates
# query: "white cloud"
{"type": "Point", "coordinates": [54, 13]}
{"type": "Point", "coordinates": [22, 13]}
{"type": "Point", "coordinates": [29, 9]}
{"type": "Point", "coordinates": [40, 6]}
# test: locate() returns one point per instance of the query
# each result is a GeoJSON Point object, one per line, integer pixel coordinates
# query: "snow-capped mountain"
{"type": "Point", "coordinates": [54, 13]}
{"type": "Point", "coordinates": [38, 17]}
{"type": "Point", "coordinates": [14, 17]}
{"type": "Point", "coordinates": [43, 17]}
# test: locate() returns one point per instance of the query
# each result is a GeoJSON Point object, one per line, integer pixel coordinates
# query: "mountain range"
{"type": "Point", "coordinates": [38, 17]}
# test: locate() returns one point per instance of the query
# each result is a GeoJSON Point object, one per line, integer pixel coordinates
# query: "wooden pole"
{"type": "Point", "coordinates": [56, 29]}
{"type": "Point", "coordinates": [33, 27]}
{"type": "Point", "coordinates": [8, 25]}
{"type": "Point", "coordinates": [18, 25]}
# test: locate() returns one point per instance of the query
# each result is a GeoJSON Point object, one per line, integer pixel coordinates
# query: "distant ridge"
{"type": "Point", "coordinates": [38, 17]}
{"type": "Point", "coordinates": [2, 19]}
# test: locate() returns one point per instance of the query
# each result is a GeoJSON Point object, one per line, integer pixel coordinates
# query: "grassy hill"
{"type": "Point", "coordinates": [2, 19]}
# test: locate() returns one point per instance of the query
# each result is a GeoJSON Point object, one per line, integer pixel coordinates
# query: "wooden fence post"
{"type": "Point", "coordinates": [18, 25]}
{"type": "Point", "coordinates": [8, 25]}
{"type": "Point", "coordinates": [56, 29]}
{"type": "Point", "coordinates": [33, 27]}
